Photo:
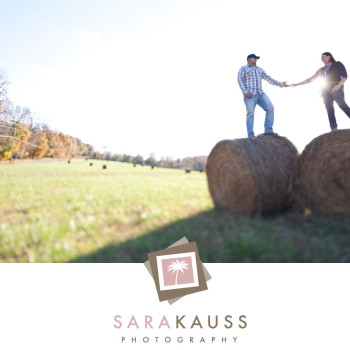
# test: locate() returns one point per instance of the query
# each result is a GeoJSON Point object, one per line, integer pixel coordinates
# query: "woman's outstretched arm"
{"type": "Point", "coordinates": [307, 81]}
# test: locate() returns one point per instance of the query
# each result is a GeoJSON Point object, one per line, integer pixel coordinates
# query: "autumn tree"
{"type": "Point", "coordinates": [39, 145]}
{"type": "Point", "coordinates": [16, 131]}
{"type": "Point", "coordinates": [53, 142]}
{"type": "Point", "coordinates": [68, 145]}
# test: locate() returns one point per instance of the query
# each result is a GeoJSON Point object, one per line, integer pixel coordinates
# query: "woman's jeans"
{"type": "Point", "coordinates": [328, 98]}
{"type": "Point", "coordinates": [264, 102]}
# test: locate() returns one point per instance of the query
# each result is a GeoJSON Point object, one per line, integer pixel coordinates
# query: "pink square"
{"type": "Point", "coordinates": [177, 271]}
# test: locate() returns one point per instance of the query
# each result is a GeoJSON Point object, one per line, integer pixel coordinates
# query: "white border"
{"type": "Point", "coordinates": [160, 258]}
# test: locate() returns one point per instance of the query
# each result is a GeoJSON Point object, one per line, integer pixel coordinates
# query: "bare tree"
{"type": "Point", "coordinates": [5, 103]}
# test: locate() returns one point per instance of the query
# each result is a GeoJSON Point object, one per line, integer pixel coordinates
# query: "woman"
{"type": "Point", "coordinates": [334, 74]}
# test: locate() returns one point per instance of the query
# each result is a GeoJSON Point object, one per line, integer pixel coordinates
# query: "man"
{"type": "Point", "coordinates": [250, 81]}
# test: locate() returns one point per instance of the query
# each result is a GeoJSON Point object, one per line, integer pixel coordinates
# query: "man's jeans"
{"type": "Point", "coordinates": [264, 102]}
{"type": "Point", "coordinates": [329, 98]}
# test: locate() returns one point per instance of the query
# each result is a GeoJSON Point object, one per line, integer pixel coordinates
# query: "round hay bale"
{"type": "Point", "coordinates": [322, 180]}
{"type": "Point", "coordinates": [252, 176]}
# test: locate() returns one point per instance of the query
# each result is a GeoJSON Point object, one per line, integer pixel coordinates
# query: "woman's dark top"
{"type": "Point", "coordinates": [332, 75]}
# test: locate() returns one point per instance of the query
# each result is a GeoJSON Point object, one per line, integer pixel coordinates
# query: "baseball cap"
{"type": "Point", "coordinates": [252, 55]}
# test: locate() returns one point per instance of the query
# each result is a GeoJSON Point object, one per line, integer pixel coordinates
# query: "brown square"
{"type": "Point", "coordinates": [181, 241]}
{"type": "Point", "coordinates": [170, 294]}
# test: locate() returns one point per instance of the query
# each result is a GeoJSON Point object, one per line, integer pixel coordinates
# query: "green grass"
{"type": "Point", "coordinates": [59, 212]}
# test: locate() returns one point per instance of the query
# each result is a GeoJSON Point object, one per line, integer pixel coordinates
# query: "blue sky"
{"type": "Point", "coordinates": [160, 76]}
{"type": "Point", "coordinates": [40, 32]}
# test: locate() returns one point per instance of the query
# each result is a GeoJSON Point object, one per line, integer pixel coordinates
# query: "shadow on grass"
{"type": "Point", "coordinates": [223, 237]}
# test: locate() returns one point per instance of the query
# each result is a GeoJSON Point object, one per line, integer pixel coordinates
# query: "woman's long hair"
{"type": "Point", "coordinates": [331, 58]}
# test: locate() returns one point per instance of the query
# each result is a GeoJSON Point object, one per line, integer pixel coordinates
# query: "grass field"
{"type": "Point", "coordinates": [59, 212]}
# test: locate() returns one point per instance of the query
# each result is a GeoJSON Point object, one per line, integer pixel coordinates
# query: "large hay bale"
{"type": "Point", "coordinates": [252, 176]}
{"type": "Point", "coordinates": [322, 181]}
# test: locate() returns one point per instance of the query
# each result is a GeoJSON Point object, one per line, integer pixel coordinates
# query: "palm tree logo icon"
{"type": "Point", "coordinates": [178, 266]}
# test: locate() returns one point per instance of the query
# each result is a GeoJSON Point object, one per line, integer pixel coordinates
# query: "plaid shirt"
{"type": "Point", "coordinates": [250, 79]}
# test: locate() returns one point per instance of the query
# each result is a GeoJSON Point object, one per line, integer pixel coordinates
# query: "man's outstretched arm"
{"type": "Point", "coordinates": [273, 81]}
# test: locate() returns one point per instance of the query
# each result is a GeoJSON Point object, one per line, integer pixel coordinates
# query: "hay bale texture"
{"type": "Point", "coordinates": [252, 176]}
{"type": "Point", "coordinates": [322, 181]}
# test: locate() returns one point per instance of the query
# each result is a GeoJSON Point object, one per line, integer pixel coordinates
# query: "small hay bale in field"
{"type": "Point", "coordinates": [104, 166]}
{"type": "Point", "coordinates": [252, 176]}
{"type": "Point", "coordinates": [322, 180]}
{"type": "Point", "coordinates": [91, 164]}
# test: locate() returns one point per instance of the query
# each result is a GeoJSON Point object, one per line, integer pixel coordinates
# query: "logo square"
{"type": "Point", "coordinates": [177, 271]}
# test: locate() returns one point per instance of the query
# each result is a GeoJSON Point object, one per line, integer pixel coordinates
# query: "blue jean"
{"type": "Point", "coordinates": [264, 102]}
{"type": "Point", "coordinates": [328, 98]}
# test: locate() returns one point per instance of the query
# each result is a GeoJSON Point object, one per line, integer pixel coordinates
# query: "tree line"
{"type": "Point", "coordinates": [23, 135]}
{"type": "Point", "coordinates": [192, 163]}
